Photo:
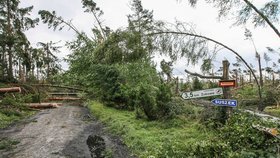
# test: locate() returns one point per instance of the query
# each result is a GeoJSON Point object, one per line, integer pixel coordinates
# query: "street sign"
{"type": "Point", "coordinates": [227, 83]}
{"type": "Point", "coordinates": [224, 102]}
{"type": "Point", "coordinates": [202, 93]}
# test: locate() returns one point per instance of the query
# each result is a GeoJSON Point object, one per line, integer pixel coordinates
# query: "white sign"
{"type": "Point", "coordinates": [202, 93]}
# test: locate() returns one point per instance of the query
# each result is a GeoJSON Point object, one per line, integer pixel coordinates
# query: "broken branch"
{"type": "Point", "coordinates": [202, 76]}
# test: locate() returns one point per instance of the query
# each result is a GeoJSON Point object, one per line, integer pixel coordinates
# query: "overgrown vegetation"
{"type": "Point", "coordinates": [12, 109]}
{"type": "Point", "coordinates": [184, 136]}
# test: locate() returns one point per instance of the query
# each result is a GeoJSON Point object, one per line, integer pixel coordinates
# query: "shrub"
{"type": "Point", "coordinates": [243, 138]}
{"type": "Point", "coordinates": [156, 102]}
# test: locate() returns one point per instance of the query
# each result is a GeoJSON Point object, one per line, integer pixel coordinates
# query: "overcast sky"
{"type": "Point", "coordinates": [204, 17]}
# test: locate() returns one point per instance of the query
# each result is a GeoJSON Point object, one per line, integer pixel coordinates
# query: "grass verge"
{"type": "Point", "coordinates": [9, 116]}
{"type": "Point", "coordinates": [178, 136]}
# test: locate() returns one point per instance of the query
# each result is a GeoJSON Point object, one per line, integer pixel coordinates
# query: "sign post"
{"type": "Point", "coordinates": [202, 93]}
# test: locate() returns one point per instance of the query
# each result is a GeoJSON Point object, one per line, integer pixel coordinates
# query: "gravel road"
{"type": "Point", "coordinates": [61, 133]}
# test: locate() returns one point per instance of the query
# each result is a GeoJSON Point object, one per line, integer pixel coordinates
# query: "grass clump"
{"type": "Point", "coordinates": [7, 144]}
{"type": "Point", "coordinates": [274, 112]}
{"type": "Point", "coordinates": [12, 109]}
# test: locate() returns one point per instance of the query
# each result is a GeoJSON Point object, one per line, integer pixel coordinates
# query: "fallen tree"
{"type": "Point", "coordinates": [43, 105]}
{"type": "Point", "coordinates": [64, 98]}
{"type": "Point", "coordinates": [10, 90]}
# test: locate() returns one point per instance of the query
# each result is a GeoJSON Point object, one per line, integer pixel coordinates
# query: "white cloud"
{"type": "Point", "coordinates": [203, 16]}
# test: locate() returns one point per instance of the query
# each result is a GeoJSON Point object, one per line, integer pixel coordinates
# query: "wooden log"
{"type": "Point", "coordinates": [64, 98]}
{"type": "Point", "coordinates": [271, 131]}
{"type": "Point", "coordinates": [265, 117]}
{"type": "Point", "coordinates": [10, 90]}
{"type": "Point", "coordinates": [67, 94]}
{"type": "Point", "coordinates": [44, 105]}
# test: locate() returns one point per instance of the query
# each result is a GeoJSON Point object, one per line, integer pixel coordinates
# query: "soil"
{"type": "Point", "coordinates": [63, 132]}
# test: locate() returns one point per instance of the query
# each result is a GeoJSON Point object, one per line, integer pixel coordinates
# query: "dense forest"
{"type": "Point", "coordinates": [138, 98]}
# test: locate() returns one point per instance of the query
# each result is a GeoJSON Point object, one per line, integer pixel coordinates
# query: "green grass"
{"type": "Point", "coordinates": [153, 138]}
{"type": "Point", "coordinates": [8, 117]}
{"type": "Point", "coordinates": [274, 112]}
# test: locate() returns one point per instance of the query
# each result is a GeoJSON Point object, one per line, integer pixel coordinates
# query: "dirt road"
{"type": "Point", "coordinates": [61, 133]}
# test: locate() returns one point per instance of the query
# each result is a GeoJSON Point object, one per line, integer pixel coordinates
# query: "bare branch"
{"type": "Point", "coordinates": [202, 76]}
{"type": "Point", "coordinates": [265, 18]}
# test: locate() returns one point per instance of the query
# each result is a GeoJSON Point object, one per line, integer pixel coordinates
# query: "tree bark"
{"type": "Point", "coordinates": [9, 31]}
{"type": "Point", "coordinates": [260, 68]}
{"type": "Point", "coordinates": [12, 89]}
{"type": "Point", "coordinates": [10, 60]}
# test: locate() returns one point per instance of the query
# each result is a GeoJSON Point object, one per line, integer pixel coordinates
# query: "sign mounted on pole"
{"type": "Point", "coordinates": [202, 93]}
{"type": "Point", "coordinates": [224, 102]}
{"type": "Point", "coordinates": [227, 83]}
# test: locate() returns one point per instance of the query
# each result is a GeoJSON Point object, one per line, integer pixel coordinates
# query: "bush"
{"type": "Point", "coordinates": [243, 138]}
{"type": "Point", "coordinates": [148, 101]}
{"type": "Point", "coordinates": [14, 101]}
{"type": "Point", "coordinates": [156, 102]}
{"type": "Point", "coordinates": [105, 83]}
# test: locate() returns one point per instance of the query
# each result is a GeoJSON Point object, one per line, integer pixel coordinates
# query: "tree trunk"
{"type": "Point", "coordinates": [11, 89]}
{"type": "Point", "coordinates": [224, 111]}
{"type": "Point", "coordinates": [9, 31]}
{"type": "Point", "coordinates": [260, 68]}
{"type": "Point", "coordinates": [250, 77]}
{"type": "Point", "coordinates": [20, 71]}
{"type": "Point", "coordinates": [10, 60]}
{"type": "Point", "coordinates": [25, 74]}
{"type": "Point", "coordinates": [37, 71]}
{"type": "Point", "coordinates": [236, 78]}
{"type": "Point", "coordinates": [261, 106]}
{"type": "Point", "coordinates": [273, 79]}
{"type": "Point", "coordinates": [3, 63]}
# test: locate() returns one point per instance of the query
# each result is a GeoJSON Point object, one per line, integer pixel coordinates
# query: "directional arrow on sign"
{"type": "Point", "coordinates": [202, 93]}
{"type": "Point", "coordinates": [224, 102]}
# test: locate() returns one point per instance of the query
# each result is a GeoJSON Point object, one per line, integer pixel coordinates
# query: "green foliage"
{"type": "Point", "coordinates": [14, 44]}
{"type": "Point", "coordinates": [12, 109]}
{"type": "Point", "coordinates": [16, 101]}
{"type": "Point", "coordinates": [148, 101]}
{"type": "Point", "coordinates": [7, 144]}
{"type": "Point", "coordinates": [243, 138]}
{"type": "Point", "coordinates": [184, 137]}
{"type": "Point", "coordinates": [196, 84]}
{"type": "Point", "coordinates": [274, 112]}
{"type": "Point", "coordinates": [105, 83]}
{"type": "Point", "coordinates": [248, 95]}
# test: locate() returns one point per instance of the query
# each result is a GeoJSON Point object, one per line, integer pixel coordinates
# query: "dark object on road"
{"type": "Point", "coordinates": [96, 145]}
